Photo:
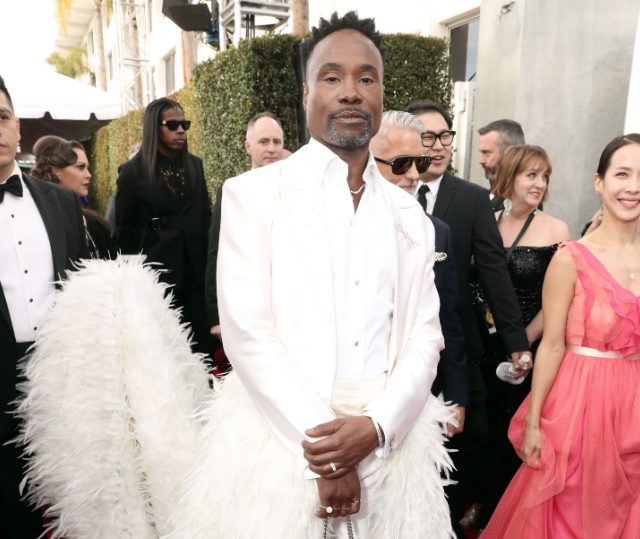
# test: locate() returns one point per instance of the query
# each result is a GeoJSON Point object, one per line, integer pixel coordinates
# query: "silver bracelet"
{"type": "Point", "coordinates": [380, 440]}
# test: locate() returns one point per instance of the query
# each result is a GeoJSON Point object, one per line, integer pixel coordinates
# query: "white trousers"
{"type": "Point", "coordinates": [349, 399]}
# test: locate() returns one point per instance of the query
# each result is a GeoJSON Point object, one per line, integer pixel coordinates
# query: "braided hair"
{"type": "Point", "coordinates": [52, 151]}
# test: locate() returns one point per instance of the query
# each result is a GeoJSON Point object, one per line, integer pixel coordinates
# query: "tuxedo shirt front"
{"type": "Point", "coordinates": [26, 264]}
{"type": "Point", "coordinates": [432, 193]}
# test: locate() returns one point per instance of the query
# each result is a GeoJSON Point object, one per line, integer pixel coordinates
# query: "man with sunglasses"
{"type": "Point", "coordinates": [399, 154]}
{"type": "Point", "coordinates": [466, 208]}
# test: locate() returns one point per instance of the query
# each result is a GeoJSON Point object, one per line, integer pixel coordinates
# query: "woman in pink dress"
{"type": "Point", "coordinates": [578, 432]}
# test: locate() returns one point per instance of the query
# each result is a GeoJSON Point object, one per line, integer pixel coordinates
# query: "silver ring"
{"type": "Point", "coordinates": [333, 467]}
{"type": "Point", "coordinates": [328, 510]}
{"type": "Point", "coordinates": [355, 501]}
{"type": "Point", "coordinates": [345, 508]}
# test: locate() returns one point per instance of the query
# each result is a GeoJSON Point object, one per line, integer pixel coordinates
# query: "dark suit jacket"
{"type": "Point", "coordinates": [210, 290]}
{"type": "Point", "coordinates": [183, 231]}
{"type": "Point", "coordinates": [497, 204]}
{"type": "Point", "coordinates": [62, 216]}
{"type": "Point", "coordinates": [466, 208]}
{"type": "Point", "coordinates": [452, 377]}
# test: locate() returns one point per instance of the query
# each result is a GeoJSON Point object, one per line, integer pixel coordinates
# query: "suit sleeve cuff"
{"type": "Point", "coordinates": [389, 435]}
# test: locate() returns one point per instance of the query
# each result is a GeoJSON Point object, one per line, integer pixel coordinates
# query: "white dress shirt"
{"type": "Point", "coordinates": [432, 193]}
{"type": "Point", "coordinates": [363, 260]}
{"type": "Point", "coordinates": [26, 263]}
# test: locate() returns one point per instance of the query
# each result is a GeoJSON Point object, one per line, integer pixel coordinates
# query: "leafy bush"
{"type": "Point", "coordinates": [261, 74]}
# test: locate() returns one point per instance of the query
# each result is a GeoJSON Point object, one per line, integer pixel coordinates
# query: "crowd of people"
{"type": "Point", "coordinates": [358, 285]}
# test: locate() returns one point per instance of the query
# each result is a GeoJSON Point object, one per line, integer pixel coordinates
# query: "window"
{"type": "Point", "coordinates": [170, 72]}
{"type": "Point", "coordinates": [464, 51]}
{"type": "Point", "coordinates": [90, 44]}
{"type": "Point", "coordinates": [150, 12]}
{"type": "Point", "coordinates": [110, 65]}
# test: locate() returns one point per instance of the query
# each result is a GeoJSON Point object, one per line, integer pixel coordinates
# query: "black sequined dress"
{"type": "Point", "coordinates": [527, 267]}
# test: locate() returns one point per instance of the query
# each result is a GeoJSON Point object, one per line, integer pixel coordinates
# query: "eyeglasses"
{"type": "Point", "coordinates": [429, 138]}
{"type": "Point", "coordinates": [172, 125]}
{"type": "Point", "coordinates": [401, 164]}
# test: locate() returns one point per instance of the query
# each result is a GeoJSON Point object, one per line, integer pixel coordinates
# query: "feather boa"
{"type": "Point", "coordinates": [245, 484]}
{"type": "Point", "coordinates": [110, 408]}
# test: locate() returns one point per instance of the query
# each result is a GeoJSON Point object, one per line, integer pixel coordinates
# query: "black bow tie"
{"type": "Point", "coordinates": [13, 185]}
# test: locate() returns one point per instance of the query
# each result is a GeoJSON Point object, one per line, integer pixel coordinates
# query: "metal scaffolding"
{"type": "Point", "coordinates": [133, 50]}
{"type": "Point", "coordinates": [250, 15]}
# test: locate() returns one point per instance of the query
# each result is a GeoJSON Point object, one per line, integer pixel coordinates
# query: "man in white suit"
{"type": "Point", "coordinates": [329, 309]}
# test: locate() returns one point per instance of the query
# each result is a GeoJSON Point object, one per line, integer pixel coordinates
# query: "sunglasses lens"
{"type": "Point", "coordinates": [172, 125]}
{"type": "Point", "coordinates": [422, 163]}
{"type": "Point", "coordinates": [186, 124]}
{"type": "Point", "coordinates": [401, 165]}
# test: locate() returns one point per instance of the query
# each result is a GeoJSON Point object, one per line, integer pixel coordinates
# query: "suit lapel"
{"type": "Point", "coordinates": [51, 212]}
{"type": "Point", "coordinates": [304, 212]}
{"type": "Point", "coordinates": [445, 196]}
{"type": "Point", "coordinates": [4, 308]}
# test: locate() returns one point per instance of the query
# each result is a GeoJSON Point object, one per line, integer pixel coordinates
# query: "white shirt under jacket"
{"type": "Point", "coordinates": [26, 262]}
{"type": "Point", "coordinates": [302, 279]}
{"type": "Point", "coordinates": [432, 193]}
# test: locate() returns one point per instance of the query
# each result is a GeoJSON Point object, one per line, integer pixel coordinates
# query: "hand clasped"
{"type": "Point", "coordinates": [348, 442]}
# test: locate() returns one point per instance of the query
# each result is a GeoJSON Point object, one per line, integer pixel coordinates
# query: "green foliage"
{"type": "Point", "coordinates": [260, 75]}
{"type": "Point", "coordinates": [256, 76]}
{"type": "Point", "coordinates": [73, 65]}
{"type": "Point", "coordinates": [416, 68]}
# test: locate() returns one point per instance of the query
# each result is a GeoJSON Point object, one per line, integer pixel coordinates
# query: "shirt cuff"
{"type": "Point", "coordinates": [389, 435]}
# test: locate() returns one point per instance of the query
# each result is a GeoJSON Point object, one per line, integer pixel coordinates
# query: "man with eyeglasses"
{"type": "Point", "coordinates": [399, 154]}
{"type": "Point", "coordinates": [466, 208]}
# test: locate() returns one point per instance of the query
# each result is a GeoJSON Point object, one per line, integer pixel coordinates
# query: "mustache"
{"type": "Point", "coordinates": [335, 113]}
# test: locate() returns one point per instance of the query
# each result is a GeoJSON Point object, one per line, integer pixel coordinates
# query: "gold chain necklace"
{"type": "Point", "coordinates": [632, 275]}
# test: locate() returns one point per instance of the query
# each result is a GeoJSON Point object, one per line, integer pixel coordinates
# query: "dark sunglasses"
{"type": "Point", "coordinates": [172, 125]}
{"type": "Point", "coordinates": [401, 165]}
{"type": "Point", "coordinates": [429, 138]}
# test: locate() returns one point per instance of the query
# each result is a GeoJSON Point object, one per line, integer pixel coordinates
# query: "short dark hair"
{"type": "Point", "coordinates": [613, 147]}
{"type": "Point", "coordinates": [3, 89]}
{"type": "Point", "coordinates": [510, 132]}
{"type": "Point", "coordinates": [421, 107]}
{"type": "Point", "coordinates": [350, 21]}
{"type": "Point", "coordinates": [253, 120]}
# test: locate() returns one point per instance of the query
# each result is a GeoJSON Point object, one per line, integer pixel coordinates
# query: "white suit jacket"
{"type": "Point", "coordinates": [276, 301]}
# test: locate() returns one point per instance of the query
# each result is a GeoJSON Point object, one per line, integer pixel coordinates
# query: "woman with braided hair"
{"type": "Point", "coordinates": [65, 163]}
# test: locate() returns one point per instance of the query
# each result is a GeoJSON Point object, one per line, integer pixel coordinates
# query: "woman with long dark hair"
{"type": "Point", "coordinates": [578, 432]}
{"type": "Point", "coordinates": [163, 211]}
{"type": "Point", "coordinates": [65, 163]}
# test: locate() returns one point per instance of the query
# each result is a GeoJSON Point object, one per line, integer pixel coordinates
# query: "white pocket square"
{"type": "Point", "coordinates": [441, 257]}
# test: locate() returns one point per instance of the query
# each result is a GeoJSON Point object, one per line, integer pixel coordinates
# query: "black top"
{"type": "Point", "coordinates": [211, 291]}
{"type": "Point", "coordinates": [452, 377]}
{"type": "Point", "coordinates": [166, 219]}
{"type": "Point", "coordinates": [466, 208]}
{"type": "Point", "coordinates": [100, 244]}
{"type": "Point", "coordinates": [527, 268]}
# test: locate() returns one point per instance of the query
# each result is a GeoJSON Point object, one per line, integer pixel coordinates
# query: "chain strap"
{"type": "Point", "coordinates": [349, 528]}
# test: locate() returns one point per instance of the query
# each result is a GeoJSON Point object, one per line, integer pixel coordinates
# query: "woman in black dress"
{"type": "Point", "coordinates": [163, 211]}
{"type": "Point", "coordinates": [532, 238]}
{"type": "Point", "coordinates": [65, 163]}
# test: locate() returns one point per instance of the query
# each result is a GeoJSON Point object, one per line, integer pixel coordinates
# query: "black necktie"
{"type": "Point", "coordinates": [422, 196]}
{"type": "Point", "coordinates": [13, 185]}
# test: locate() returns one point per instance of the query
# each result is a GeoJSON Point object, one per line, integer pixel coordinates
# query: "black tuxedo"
{"type": "Point", "coordinates": [178, 235]}
{"type": "Point", "coordinates": [62, 216]}
{"type": "Point", "coordinates": [452, 377]}
{"type": "Point", "coordinates": [497, 204]}
{"type": "Point", "coordinates": [211, 292]}
{"type": "Point", "coordinates": [466, 208]}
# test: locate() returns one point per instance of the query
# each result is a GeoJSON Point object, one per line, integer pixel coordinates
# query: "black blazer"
{"type": "Point", "coordinates": [452, 377]}
{"type": "Point", "coordinates": [466, 208]}
{"type": "Point", "coordinates": [210, 290]}
{"type": "Point", "coordinates": [62, 216]}
{"type": "Point", "coordinates": [497, 204]}
{"type": "Point", "coordinates": [180, 233]}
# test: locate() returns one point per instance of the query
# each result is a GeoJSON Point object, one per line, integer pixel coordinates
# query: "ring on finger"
{"type": "Point", "coordinates": [337, 509]}
{"type": "Point", "coordinates": [327, 510]}
{"type": "Point", "coordinates": [333, 467]}
{"type": "Point", "coordinates": [355, 501]}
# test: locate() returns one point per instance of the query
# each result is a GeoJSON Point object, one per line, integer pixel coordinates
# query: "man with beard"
{"type": "Point", "coordinates": [495, 138]}
{"type": "Point", "coordinates": [330, 318]}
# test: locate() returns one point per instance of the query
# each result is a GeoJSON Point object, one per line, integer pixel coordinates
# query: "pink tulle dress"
{"type": "Point", "coordinates": [587, 482]}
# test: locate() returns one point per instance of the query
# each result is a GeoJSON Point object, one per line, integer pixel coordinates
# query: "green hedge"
{"type": "Point", "coordinates": [261, 74]}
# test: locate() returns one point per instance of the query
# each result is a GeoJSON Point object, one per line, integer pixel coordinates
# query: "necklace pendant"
{"type": "Point", "coordinates": [632, 276]}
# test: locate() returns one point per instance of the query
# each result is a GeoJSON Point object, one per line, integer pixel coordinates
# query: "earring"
{"type": "Point", "coordinates": [508, 205]}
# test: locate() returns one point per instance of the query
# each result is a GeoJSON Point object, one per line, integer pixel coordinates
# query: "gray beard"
{"type": "Point", "coordinates": [489, 175]}
{"type": "Point", "coordinates": [348, 140]}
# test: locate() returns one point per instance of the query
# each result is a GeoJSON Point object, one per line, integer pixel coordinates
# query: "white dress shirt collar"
{"type": "Point", "coordinates": [434, 186]}
{"type": "Point", "coordinates": [16, 171]}
{"type": "Point", "coordinates": [323, 159]}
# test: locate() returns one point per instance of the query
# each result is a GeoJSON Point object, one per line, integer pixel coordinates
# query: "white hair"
{"type": "Point", "coordinates": [396, 119]}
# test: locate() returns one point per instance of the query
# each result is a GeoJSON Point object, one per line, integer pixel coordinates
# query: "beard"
{"type": "Point", "coordinates": [348, 140]}
{"type": "Point", "coordinates": [489, 173]}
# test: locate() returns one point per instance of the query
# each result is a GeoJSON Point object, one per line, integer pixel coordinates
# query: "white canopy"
{"type": "Point", "coordinates": [64, 98]}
